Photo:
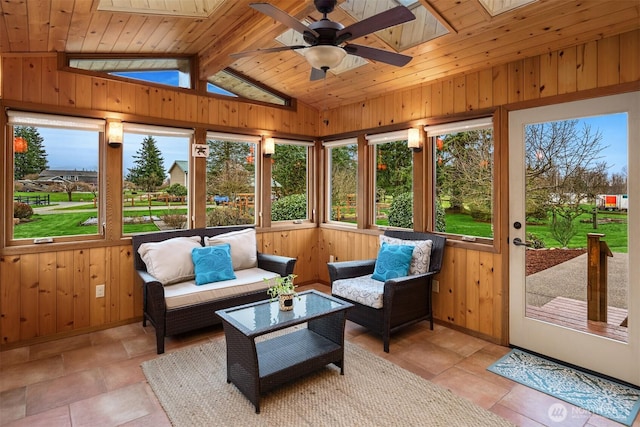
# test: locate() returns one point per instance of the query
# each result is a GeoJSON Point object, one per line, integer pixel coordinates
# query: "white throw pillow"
{"type": "Point", "coordinates": [421, 257]}
{"type": "Point", "coordinates": [244, 250]}
{"type": "Point", "coordinates": [170, 261]}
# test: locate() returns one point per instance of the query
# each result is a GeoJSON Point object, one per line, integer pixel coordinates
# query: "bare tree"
{"type": "Point", "coordinates": [564, 171]}
{"type": "Point", "coordinates": [465, 171]}
{"type": "Point", "coordinates": [563, 165]}
{"type": "Point", "coordinates": [618, 182]}
{"type": "Point", "coordinates": [70, 186]}
{"type": "Point", "coordinates": [232, 179]}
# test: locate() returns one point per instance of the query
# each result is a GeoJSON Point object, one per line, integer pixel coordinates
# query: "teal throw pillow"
{"type": "Point", "coordinates": [393, 261]}
{"type": "Point", "coordinates": [212, 264]}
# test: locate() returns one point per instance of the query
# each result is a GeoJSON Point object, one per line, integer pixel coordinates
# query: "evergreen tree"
{"type": "Point", "coordinates": [34, 160]}
{"type": "Point", "coordinates": [394, 163]}
{"type": "Point", "coordinates": [148, 172]}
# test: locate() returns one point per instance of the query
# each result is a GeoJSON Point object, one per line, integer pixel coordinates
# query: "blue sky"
{"type": "Point", "coordinates": [169, 78]}
{"type": "Point", "coordinates": [614, 133]}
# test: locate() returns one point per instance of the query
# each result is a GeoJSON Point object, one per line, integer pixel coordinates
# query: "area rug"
{"type": "Point", "coordinates": [592, 393]}
{"type": "Point", "coordinates": [192, 388]}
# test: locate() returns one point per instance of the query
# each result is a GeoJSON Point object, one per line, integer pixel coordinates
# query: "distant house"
{"type": "Point", "coordinates": [52, 175]}
{"type": "Point", "coordinates": [178, 172]}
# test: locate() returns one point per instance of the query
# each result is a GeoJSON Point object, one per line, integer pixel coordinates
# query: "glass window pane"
{"type": "Point", "coordinates": [231, 183]}
{"type": "Point", "coordinates": [394, 185]}
{"type": "Point", "coordinates": [155, 187]}
{"type": "Point", "coordinates": [343, 183]}
{"type": "Point", "coordinates": [576, 195]}
{"type": "Point", "coordinates": [55, 193]}
{"type": "Point", "coordinates": [289, 183]}
{"type": "Point", "coordinates": [174, 72]}
{"type": "Point", "coordinates": [231, 83]}
{"type": "Point", "coordinates": [464, 182]}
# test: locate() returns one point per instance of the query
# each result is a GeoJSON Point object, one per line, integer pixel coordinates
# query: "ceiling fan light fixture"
{"type": "Point", "coordinates": [324, 57]}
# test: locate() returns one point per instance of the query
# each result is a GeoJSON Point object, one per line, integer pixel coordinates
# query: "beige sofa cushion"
{"type": "Point", "coordinates": [244, 250]}
{"type": "Point", "coordinates": [187, 293]}
{"type": "Point", "coordinates": [170, 261]}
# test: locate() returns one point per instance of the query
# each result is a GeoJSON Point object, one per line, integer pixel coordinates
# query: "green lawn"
{"type": "Point", "coordinates": [615, 232]}
{"type": "Point", "coordinates": [55, 198]}
{"type": "Point", "coordinates": [70, 224]}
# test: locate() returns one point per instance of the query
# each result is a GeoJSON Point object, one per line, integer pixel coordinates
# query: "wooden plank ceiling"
{"type": "Point", "coordinates": [213, 29]}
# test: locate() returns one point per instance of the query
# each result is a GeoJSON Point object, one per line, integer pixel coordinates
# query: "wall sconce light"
{"type": "Point", "coordinates": [413, 140]}
{"type": "Point", "coordinates": [115, 134]}
{"type": "Point", "coordinates": [269, 147]}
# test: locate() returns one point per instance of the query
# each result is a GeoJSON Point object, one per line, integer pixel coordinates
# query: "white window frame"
{"type": "Point", "coordinates": [249, 139]}
{"type": "Point", "coordinates": [165, 131]}
{"type": "Point", "coordinates": [328, 146]}
{"type": "Point", "coordinates": [309, 182]}
{"type": "Point", "coordinates": [373, 140]}
{"type": "Point", "coordinates": [433, 132]}
{"type": "Point", "coordinates": [43, 120]}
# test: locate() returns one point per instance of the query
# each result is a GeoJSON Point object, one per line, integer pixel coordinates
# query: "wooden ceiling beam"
{"type": "Point", "coordinates": [246, 29]}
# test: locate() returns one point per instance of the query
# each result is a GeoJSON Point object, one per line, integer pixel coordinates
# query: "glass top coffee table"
{"type": "Point", "coordinates": [257, 367]}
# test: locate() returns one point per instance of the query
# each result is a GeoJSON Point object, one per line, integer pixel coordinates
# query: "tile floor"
{"type": "Point", "coordinates": [96, 380]}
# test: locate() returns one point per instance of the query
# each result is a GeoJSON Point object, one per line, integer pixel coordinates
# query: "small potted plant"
{"type": "Point", "coordinates": [283, 289]}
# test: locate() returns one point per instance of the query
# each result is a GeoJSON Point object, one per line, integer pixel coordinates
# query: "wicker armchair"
{"type": "Point", "coordinates": [405, 300]}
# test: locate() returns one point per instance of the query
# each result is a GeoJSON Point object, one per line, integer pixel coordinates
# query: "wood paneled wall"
{"type": "Point", "coordinates": [36, 79]}
{"type": "Point", "coordinates": [470, 293]}
{"type": "Point", "coordinates": [598, 64]}
{"type": "Point", "coordinates": [473, 286]}
{"type": "Point", "coordinates": [51, 294]}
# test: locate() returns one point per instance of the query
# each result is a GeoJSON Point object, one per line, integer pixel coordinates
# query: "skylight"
{"type": "Point", "coordinates": [425, 27]}
{"type": "Point", "coordinates": [191, 8]}
{"type": "Point", "coordinates": [174, 72]}
{"type": "Point", "coordinates": [231, 83]}
{"type": "Point", "coordinates": [496, 7]}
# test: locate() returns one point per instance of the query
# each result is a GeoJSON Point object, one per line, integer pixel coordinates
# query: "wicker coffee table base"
{"type": "Point", "coordinates": [255, 368]}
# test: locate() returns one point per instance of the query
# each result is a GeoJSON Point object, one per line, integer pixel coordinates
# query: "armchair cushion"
{"type": "Point", "coordinates": [169, 261]}
{"type": "Point", "coordinates": [363, 289]}
{"type": "Point", "coordinates": [244, 252]}
{"type": "Point", "coordinates": [421, 257]}
{"type": "Point", "coordinates": [392, 262]}
{"type": "Point", "coordinates": [212, 264]}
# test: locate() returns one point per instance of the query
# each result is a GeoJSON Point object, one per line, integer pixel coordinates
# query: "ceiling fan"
{"type": "Point", "coordinates": [326, 39]}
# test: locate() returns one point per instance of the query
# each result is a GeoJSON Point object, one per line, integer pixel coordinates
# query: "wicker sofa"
{"type": "Point", "coordinates": [179, 305]}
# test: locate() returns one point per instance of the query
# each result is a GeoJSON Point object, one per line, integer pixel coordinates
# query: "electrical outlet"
{"type": "Point", "coordinates": [100, 291]}
{"type": "Point", "coordinates": [331, 259]}
{"type": "Point", "coordinates": [436, 286]}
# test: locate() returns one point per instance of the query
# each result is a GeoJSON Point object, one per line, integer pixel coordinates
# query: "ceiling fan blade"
{"type": "Point", "coordinates": [268, 50]}
{"type": "Point", "coordinates": [389, 18]}
{"type": "Point", "coordinates": [317, 74]}
{"type": "Point", "coordinates": [379, 55]}
{"type": "Point", "coordinates": [283, 18]}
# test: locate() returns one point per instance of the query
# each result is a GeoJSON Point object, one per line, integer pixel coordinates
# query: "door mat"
{"type": "Point", "coordinates": [590, 392]}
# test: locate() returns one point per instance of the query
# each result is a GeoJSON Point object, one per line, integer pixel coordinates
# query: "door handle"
{"type": "Point", "coordinates": [518, 242]}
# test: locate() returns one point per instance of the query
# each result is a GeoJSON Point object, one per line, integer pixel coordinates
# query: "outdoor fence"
{"type": "Point", "coordinates": [33, 200]}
